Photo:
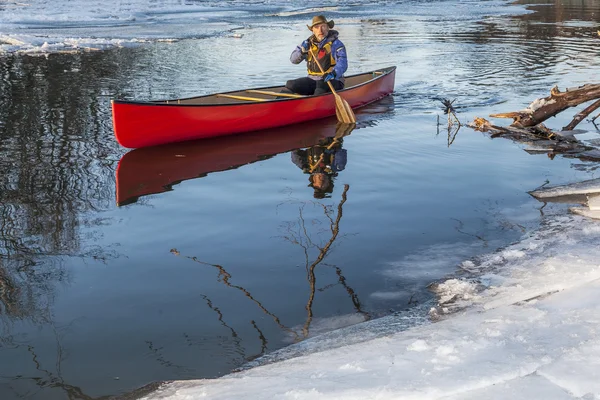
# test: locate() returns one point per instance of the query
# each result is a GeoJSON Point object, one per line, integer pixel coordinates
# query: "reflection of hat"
{"type": "Point", "coordinates": [320, 19]}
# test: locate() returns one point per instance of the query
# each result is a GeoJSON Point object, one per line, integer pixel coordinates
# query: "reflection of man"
{"type": "Point", "coordinates": [322, 161]}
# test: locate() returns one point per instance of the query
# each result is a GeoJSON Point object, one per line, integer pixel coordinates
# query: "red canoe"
{"type": "Point", "coordinates": [142, 124]}
{"type": "Point", "coordinates": [157, 169]}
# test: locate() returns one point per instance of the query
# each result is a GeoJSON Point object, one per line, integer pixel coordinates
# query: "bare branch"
{"type": "Point", "coordinates": [542, 109]}
{"type": "Point", "coordinates": [579, 117]}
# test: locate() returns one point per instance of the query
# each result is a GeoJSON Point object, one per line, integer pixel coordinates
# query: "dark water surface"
{"type": "Point", "coordinates": [238, 255]}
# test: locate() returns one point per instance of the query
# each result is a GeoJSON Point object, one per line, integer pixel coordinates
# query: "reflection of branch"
{"type": "Point", "coordinates": [452, 133]}
{"type": "Point", "coordinates": [542, 209]}
{"type": "Point", "coordinates": [9, 293]}
{"type": "Point", "coordinates": [303, 239]}
{"type": "Point", "coordinates": [224, 277]}
{"type": "Point", "coordinates": [263, 341]}
{"type": "Point", "coordinates": [220, 314]}
{"type": "Point", "coordinates": [38, 366]}
{"type": "Point", "coordinates": [234, 334]}
{"type": "Point", "coordinates": [73, 392]}
{"type": "Point", "coordinates": [469, 234]}
{"type": "Point", "coordinates": [335, 225]}
{"type": "Point", "coordinates": [161, 358]}
{"type": "Point", "coordinates": [59, 353]}
{"type": "Point", "coordinates": [351, 292]}
{"type": "Point", "coordinates": [299, 238]}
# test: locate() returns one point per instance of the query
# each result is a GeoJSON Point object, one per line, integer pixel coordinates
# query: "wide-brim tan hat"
{"type": "Point", "coordinates": [320, 19]}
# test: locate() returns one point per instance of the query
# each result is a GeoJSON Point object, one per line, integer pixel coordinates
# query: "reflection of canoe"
{"type": "Point", "coordinates": [141, 124]}
{"type": "Point", "coordinates": [156, 169]}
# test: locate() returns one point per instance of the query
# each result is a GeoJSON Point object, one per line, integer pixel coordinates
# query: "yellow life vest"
{"type": "Point", "coordinates": [323, 55]}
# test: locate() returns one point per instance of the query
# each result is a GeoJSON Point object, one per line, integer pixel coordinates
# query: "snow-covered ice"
{"type": "Point", "coordinates": [526, 328]}
{"type": "Point", "coordinates": [585, 187]}
{"type": "Point", "coordinates": [43, 26]}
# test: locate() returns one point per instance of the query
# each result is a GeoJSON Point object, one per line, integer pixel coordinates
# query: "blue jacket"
{"type": "Point", "coordinates": [338, 51]}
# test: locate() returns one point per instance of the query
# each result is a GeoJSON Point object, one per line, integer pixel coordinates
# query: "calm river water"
{"type": "Point", "coordinates": [189, 267]}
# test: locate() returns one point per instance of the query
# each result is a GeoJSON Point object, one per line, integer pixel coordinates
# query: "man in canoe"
{"type": "Point", "coordinates": [331, 55]}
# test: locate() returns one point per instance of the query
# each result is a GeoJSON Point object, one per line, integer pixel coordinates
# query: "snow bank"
{"type": "Point", "coordinates": [528, 330]}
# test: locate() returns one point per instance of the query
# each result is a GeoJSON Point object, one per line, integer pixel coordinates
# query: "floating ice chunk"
{"type": "Point", "coordinates": [8, 39]}
{"type": "Point", "coordinates": [513, 254]}
{"type": "Point", "coordinates": [584, 187]}
{"type": "Point", "coordinates": [585, 212]}
{"type": "Point", "coordinates": [454, 290]}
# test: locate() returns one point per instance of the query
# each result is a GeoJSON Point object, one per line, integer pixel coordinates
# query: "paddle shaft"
{"type": "Point", "coordinates": [343, 110]}
{"type": "Point", "coordinates": [322, 71]}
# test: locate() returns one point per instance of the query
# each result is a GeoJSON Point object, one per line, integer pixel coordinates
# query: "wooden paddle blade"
{"type": "Point", "coordinates": [343, 111]}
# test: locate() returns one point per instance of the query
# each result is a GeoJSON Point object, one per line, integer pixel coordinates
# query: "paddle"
{"type": "Point", "coordinates": [343, 111]}
{"type": "Point", "coordinates": [341, 130]}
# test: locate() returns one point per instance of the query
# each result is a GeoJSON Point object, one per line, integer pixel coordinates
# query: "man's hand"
{"type": "Point", "coordinates": [305, 46]}
{"type": "Point", "coordinates": [329, 76]}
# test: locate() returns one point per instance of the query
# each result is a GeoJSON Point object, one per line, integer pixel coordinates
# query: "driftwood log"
{"type": "Point", "coordinates": [527, 126]}
{"type": "Point", "coordinates": [542, 140]}
{"type": "Point", "coordinates": [535, 133]}
{"type": "Point", "coordinates": [542, 109]}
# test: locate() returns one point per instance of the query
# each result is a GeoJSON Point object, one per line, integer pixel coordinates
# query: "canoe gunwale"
{"type": "Point", "coordinates": [174, 102]}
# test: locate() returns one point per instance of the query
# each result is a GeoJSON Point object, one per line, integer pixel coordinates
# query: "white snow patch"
{"type": "Point", "coordinates": [302, 394]}
{"type": "Point", "coordinates": [537, 104]}
{"type": "Point", "coordinates": [418, 345]}
{"type": "Point", "coordinates": [352, 367]}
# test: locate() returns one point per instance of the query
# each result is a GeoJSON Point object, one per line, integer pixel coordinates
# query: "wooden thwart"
{"type": "Point", "coordinates": [295, 96]}
{"type": "Point", "coordinates": [231, 96]}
